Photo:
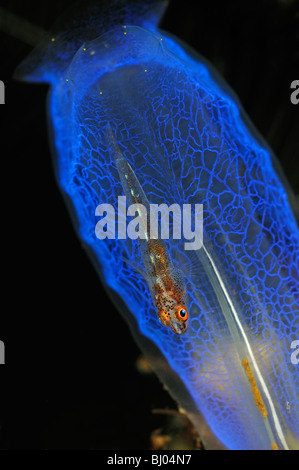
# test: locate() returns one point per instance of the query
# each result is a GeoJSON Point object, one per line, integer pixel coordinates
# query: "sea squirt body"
{"type": "Point", "coordinates": [186, 137]}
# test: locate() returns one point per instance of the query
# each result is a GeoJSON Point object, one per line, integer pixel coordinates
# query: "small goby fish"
{"type": "Point", "coordinates": [165, 280]}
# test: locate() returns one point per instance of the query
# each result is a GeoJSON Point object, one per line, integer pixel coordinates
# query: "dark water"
{"type": "Point", "coordinates": [64, 385]}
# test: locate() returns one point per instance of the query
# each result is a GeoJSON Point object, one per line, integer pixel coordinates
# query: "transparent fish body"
{"type": "Point", "coordinates": [187, 140]}
{"type": "Point", "coordinates": [165, 281]}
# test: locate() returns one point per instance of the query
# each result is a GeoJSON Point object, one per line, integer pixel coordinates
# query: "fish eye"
{"type": "Point", "coordinates": [182, 313]}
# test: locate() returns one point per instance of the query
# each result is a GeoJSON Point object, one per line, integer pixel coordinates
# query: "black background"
{"type": "Point", "coordinates": [69, 382]}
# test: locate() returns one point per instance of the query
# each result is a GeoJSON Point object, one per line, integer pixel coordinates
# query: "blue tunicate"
{"type": "Point", "coordinates": [188, 140]}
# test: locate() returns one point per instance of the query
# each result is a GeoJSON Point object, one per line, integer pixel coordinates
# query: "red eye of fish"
{"type": "Point", "coordinates": [182, 313]}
